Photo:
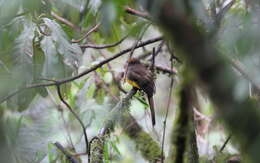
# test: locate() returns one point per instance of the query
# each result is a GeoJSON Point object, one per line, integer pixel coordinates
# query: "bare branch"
{"type": "Point", "coordinates": [65, 21]}
{"type": "Point", "coordinates": [137, 13]}
{"type": "Point", "coordinates": [166, 70]}
{"type": "Point", "coordinates": [103, 46]}
{"type": "Point", "coordinates": [167, 111]}
{"type": "Point", "coordinates": [93, 68]}
{"type": "Point", "coordinates": [75, 115]}
{"type": "Point", "coordinates": [93, 29]}
{"type": "Point", "coordinates": [115, 113]}
{"type": "Point", "coordinates": [120, 115]}
{"type": "Point", "coordinates": [225, 143]}
{"type": "Point", "coordinates": [66, 153]}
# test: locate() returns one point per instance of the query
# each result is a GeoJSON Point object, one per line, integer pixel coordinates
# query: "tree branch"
{"type": "Point", "coordinates": [181, 126]}
{"type": "Point", "coordinates": [93, 68]}
{"type": "Point", "coordinates": [149, 149]}
{"type": "Point", "coordinates": [76, 116]}
{"type": "Point", "coordinates": [103, 46]}
{"type": "Point", "coordinates": [137, 13]}
{"type": "Point", "coordinates": [69, 156]}
{"type": "Point", "coordinates": [164, 70]}
{"type": "Point", "coordinates": [167, 111]}
{"type": "Point", "coordinates": [65, 21]}
{"type": "Point", "coordinates": [225, 143]}
{"type": "Point", "coordinates": [93, 29]}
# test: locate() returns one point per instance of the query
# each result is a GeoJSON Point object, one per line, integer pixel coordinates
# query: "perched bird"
{"type": "Point", "coordinates": [141, 77]}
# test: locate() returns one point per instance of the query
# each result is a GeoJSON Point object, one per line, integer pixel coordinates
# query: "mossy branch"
{"type": "Point", "coordinates": [181, 126]}
{"type": "Point", "coordinates": [97, 143]}
{"type": "Point", "coordinates": [149, 149]}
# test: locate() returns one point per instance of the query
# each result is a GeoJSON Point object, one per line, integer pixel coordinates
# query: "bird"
{"type": "Point", "coordinates": [141, 78]}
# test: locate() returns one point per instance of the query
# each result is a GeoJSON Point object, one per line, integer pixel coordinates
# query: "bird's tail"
{"type": "Point", "coordinates": [151, 103]}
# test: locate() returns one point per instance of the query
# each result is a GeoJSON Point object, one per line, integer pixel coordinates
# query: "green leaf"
{"type": "Point", "coordinates": [71, 53]}
{"type": "Point", "coordinates": [106, 153]}
{"type": "Point", "coordinates": [91, 91]}
{"type": "Point", "coordinates": [54, 66]}
{"type": "Point", "coordinates": [76, 4]}
{"type": "Point", "coordinates": [108, 78]}
{"type": "Point", "coordinates": [22, 56]}
{"type": "Point", "coordinates": [31, 5]}
{"type": "Point", "coordinates": [38, 62]}
{"type": "Point", "coordinates": [22, 70]}
{"type": "Point", "coordinates": [113, 145]}
{"type": "Point", "coordinates": [51, 155]}
{"type": "Point", "coordinates": [8, 10]}
{"type": "Point", "coordinates": [108, 12]}
{"type": "Point", "coordinates": [40, 125]}
{"type": "Point", "coordinates": [100, 95]}
{"type": "Point", "coordinates": [91, 16]}
{"type": "Point", "coordinates": [85, 92]}
{"type": "Point", "coordinates": [15, 124]}
{"type": "Point", "coordinates": [69, 9]}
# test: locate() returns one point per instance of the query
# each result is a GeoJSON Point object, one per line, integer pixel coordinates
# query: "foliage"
{"type": "Point", "coordinates": [43, 42]}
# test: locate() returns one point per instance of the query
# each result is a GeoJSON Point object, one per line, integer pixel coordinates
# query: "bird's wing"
{"type": "Point", "coordinates": [143, 78]}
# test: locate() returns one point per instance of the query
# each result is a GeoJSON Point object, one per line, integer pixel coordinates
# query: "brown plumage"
{"type": "Point", "coordinates": [140, 77]}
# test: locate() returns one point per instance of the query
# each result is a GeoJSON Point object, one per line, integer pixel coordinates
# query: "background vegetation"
{"type": "Point", "coordinates": [62, 92]}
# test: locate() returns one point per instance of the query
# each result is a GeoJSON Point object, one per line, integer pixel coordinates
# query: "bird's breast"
{"type": "Point", "coordinates": [134, 84]}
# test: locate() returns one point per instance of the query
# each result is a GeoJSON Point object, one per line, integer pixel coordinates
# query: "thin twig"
{"type": "Point", "coordinates": [153, 61]}
{"type": "Point", "coordinates": [164, 70]}
{"type": "Point", "coordinates": [113, 76]}
{"type": "Point", "coordinates": [60, 110]}
{"type": "Point", "coordinates": [93, 68]}
{"type": "Point", "coordinates": [171, 52]}
{"type": "Point", "coordinates": [21, 14]}
{"type": "Point", "coordinates": [65, 21]}
{"type": "Point", "coordinates": [99, 81]}
{"type": "Point", "coordinates": [108, 90]}
{"type": "Point", "coordinates": [159, 49]}
{"type": "Point", "coordinates": [225, 143]}
{"type": "Point", "coordinates": [169, 71]}
{"type": "Point", "coordinates": [75, 115]}
{"type": "Point", "coordinates": [84, 11]}
{"type": "Point", "coordinates": [134, 12]}
{"type": "Point", "coordinates": [93, 29]}
{"type": "Point", "coordinates": [41, 31]}
{"type": "Point", "coordinates": [103, 46]}
{"type": "Point", "coordinates": [133, 49]}
{"type": "Point", "coordinates": [137, 98]}
{"type": "Point", "coordinates": [167, 111]}
{"type": "Point", "coordinates": [66, 153]}
{"type": "Point", "coordinates": [147, 54]}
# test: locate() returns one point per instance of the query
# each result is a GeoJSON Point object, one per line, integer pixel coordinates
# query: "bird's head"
{"type": "Point", "coordinates": [133, 61]}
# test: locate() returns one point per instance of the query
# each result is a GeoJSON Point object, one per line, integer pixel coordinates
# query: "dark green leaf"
{"type": "Point", "coordinates": [38, 62]}
{"type": "Point", "coordinates": [59, 41]}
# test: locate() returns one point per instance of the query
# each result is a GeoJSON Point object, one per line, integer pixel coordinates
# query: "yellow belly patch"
{"type": "Point", "coordinates": [134, 84]}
